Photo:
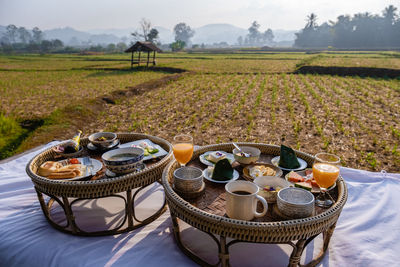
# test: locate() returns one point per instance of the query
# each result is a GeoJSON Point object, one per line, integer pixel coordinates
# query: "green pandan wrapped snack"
{"type": "Point", "coordinates": [288, 158]}
{"type": "Point", "coordinates": [223, 170]}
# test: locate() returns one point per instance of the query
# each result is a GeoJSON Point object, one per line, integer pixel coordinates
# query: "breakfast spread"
{"type": "Point", "coordinates": [261, 170]}
{"type": "Point", "coordinates": [56, 170]}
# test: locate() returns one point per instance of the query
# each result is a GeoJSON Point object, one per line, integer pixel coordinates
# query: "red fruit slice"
{"type": "Point", "coordinates": [295, 177]}
{"type": "Point", "coordinates": [314, 183]}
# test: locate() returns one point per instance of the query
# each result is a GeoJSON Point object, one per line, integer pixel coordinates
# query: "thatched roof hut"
{"type": "Point", "coordinates": [143, 47]}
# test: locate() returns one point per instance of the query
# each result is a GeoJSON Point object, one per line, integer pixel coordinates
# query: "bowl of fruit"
{"type": "Point", "coordinates": [270, 186]}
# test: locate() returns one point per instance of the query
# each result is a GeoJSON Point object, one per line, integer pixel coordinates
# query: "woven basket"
{"type": "Point", "coordinates": [103, 187]}
{"type": "Point", "coordinates": [251, 231]}
{"type": "Point", "coordinates": [191, 184]}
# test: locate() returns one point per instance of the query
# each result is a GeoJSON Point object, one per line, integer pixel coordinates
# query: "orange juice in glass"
{"type": "Point", "coordinates": [325, 173]}
{"type": "Point", "coordinates": [183, 148]}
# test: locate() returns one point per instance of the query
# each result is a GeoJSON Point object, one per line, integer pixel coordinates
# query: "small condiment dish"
{"type": "Point", "coordinates": [252, 151]}
{"type": "Point", "coordinates": [67, 150]}
{"type": "Point", "coordinates": [295, 202]}
{"type": "Point", "coordinates": [102, 139]}
{"type": "Point", "coordinates": [271, 181]}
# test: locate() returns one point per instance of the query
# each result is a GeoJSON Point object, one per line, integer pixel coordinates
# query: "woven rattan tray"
{"type": "Point", "coordinates": [100, 187]}
{"type": "Point", "coordinates": [207, 213]}
{"type": "Point", "coordinates": [65, 193]}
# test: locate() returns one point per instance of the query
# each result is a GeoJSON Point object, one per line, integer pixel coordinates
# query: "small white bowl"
{"type": "Point", "coordinates": [273, 181]}
{"type": "Point", "coordinates": [110, 138]}
{"type": "Point", "coordinates": [295, 202]}
{"type": "Point", "coordinates": [253, 151]}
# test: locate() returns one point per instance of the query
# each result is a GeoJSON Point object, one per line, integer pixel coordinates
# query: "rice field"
{"type": "Point", "coordinates": [222, 98]}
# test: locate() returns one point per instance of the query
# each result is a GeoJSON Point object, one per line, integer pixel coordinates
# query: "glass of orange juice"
{"type": "Point", "coordinates": [325, 173]}
{"type": "Point", "coordinates": [183, 148]}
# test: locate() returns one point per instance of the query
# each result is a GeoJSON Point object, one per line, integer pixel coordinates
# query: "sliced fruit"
{"type": "Point", "coordinates": [295, 177]}
{"type": "Point", "coordinates": [314, 183]}
{"type": "Point", "coordinates": [303, 185]}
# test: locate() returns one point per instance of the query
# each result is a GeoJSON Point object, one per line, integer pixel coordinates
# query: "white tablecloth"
{"type": "Point", "coordinates": [367, 233]}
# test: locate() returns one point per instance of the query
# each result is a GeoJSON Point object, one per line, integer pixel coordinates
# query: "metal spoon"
{"type": "Point", "coordinates": [246, 155]}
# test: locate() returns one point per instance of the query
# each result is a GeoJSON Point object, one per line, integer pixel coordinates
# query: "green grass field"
{"type": "Point", "coordinates": [241, 96]}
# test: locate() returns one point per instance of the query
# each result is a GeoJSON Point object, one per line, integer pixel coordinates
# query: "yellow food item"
{"type": "Point", "coordinates": [261, 170]}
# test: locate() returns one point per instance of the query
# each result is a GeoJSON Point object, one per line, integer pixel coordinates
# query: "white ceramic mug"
{"type": "Point", "coordinates": [243, 206]}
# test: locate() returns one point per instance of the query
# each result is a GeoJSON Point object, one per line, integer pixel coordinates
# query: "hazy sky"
{"type": "Point", "coordinates": [105, 14]}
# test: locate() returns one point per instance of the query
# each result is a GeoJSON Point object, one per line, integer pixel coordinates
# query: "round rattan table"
{"type": "Point", "coordinates": [126, 187]}
{"type": "Point", "coordinates": [209, 216]}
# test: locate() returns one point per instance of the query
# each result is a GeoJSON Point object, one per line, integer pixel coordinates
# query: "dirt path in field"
{"type": "Point", "coordinates": [63, 124]}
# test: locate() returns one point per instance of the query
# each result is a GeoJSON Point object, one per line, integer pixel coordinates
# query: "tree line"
{"type": "Point", "coordinates": [363, 30]}
{"type": "Point", "coordinates": [21, 40]}
{"type": "Point", "coordinates": [183, 33]}
{"type": "Point", "coordinates": [255, 37]}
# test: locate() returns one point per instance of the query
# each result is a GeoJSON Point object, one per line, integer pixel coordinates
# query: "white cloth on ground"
{"type": "Point", "coordinates": [367, 233]}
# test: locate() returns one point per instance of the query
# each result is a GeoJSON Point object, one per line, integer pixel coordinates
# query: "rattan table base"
{"type": "Point", "coordinates": [207, 213]}
{"type": "Point", "coordinates": [223, 247]}
{"type": "Point", "coordinates": [72, 227]}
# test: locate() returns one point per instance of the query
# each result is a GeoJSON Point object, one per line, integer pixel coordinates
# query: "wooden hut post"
{"type": "Point", "coordinates": [148, 58]}
{"type": "Point", "coordinates": [139, 58]}
{"type": "Point", "coordinates": [154, 57]}
{"type": "Point", "coordinates": [132, 60]}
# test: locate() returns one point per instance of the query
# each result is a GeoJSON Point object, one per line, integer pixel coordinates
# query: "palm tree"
{"type": "Point", "coordinates": [311, 21]}
{"type": "Point", "coordinates": [390, 14]}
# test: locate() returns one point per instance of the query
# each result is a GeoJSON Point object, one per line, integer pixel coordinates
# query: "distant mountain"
{"type": "Point", "coordinates": [166, 35]}
{"type": "Point", "coordinates": [207, 34]}
{"type": "Point", "coordinates": [215, 33]}
{"type": "Point", "coordinates": [117, 32]}
{"type": "Point", "coordinates": [67, 34]}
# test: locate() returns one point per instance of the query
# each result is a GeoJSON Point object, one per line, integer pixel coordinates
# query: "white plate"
{"type": "Point", "coordinates": [303, 164]}
{"type": "Point", "coordinates": [303, 173]}
{"type": "Point", "coordinates": [203, 160]}
{"type": "Point", "coordinates": [161, 152]}
{"type": "Point", "coordinates": [207, 175]}
{"type": "Point", "coordinates": [97, 166]}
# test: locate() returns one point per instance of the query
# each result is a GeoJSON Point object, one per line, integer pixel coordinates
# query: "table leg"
{"type": "Point", "coordinates": [70, 215]}
{"type": "Point", "coordinates": [327, 234]}
{"type": "Point", "coordinates": [128, 208]}
{"type": "Point", "coordinates": [224, 252]}
{"type": "Point", "coordinates": [152, 217]}
{"type": "Point", "coordinates": [298, 248]}
{"type": "Point", "coordinates": [187, 251]}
